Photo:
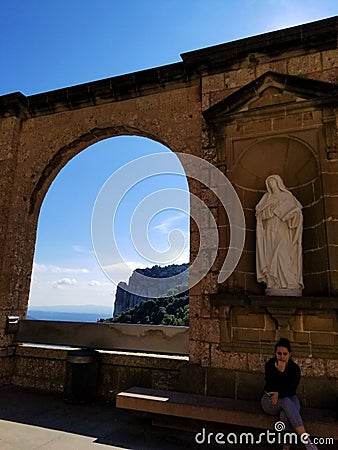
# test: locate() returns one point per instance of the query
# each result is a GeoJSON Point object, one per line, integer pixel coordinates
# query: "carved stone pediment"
{"type": "Point", "coordinates": [273, 89]}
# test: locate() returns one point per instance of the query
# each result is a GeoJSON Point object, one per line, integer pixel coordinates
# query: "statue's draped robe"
{"type": "Point", "coordinates": [279, 241]}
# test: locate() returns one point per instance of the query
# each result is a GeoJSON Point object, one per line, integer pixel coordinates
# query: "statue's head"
{"type": "Point", "coordinates": [274, 181]}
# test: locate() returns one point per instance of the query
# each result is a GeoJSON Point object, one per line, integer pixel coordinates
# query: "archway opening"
{"type": "Point", "coordinates": [70, 281]}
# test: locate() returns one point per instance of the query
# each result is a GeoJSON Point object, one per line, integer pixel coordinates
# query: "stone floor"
{"type": "Point", "coordinates": [36, 420]}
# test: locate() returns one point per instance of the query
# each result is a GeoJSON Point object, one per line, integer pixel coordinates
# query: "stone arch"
{"type": "Point", "coordinates": [49, 130]}
{"type": "Point", "coordinates": [63, 155]}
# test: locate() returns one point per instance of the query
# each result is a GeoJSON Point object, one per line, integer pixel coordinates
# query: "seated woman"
{"type": "Point", "coordinates": [282, 376]}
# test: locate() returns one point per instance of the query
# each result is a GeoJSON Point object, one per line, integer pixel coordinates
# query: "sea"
{"type": "Point", "coordinates": [68, 316]}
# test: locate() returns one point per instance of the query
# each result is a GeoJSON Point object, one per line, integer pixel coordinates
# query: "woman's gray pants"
{"type": "Point", "coordinates": [287, 408]}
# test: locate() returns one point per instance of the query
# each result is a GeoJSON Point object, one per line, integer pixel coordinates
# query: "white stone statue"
{"type": "Point", "coordinates": [279, 240]}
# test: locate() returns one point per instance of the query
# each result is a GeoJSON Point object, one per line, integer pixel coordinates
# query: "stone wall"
{"type": "Point", "coordinates": [241, 375]}
{"type": "Point", "coordinates": [44, 368]}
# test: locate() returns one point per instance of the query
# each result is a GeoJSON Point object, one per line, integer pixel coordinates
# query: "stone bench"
{"type": "Point", "coordinates": [244, 413]}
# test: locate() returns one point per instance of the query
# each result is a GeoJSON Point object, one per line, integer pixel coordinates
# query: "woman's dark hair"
{"type": "Point", "coordinates": [283, 342]}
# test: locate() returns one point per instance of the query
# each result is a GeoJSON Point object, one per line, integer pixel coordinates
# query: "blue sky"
{"type": "Point", "coordinates": [46, 45]}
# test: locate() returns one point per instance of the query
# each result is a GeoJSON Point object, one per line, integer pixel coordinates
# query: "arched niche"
{"type": "Point", "coordinates": [296, 162]}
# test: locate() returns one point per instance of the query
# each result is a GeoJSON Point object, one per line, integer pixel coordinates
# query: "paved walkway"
{"type": "Point", "coordinates": [34, 420]}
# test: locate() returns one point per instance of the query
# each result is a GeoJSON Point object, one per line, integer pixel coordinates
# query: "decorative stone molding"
{"type": "Point", "coordinates": [284, 320]}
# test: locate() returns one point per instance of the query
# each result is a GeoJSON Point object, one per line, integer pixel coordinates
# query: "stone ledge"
{"type": "Point", "coordinates": [116, 358]}
{"type": "Point", "coordinates": [60, 352]}
{"type": "Point", "coordinates": [306, 350]}
{"type": "Point", "coordinates": [316, 303]}
{"type": "Point", "coordinates": [105, 336]}
{"type": "Point", "coordinates": [263, 301]}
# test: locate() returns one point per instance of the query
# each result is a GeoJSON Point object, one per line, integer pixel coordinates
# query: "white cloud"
{"type": "Point", "coordinates": [57, 269]}
{"type": "Point", "coordinates": [126, 266]}
{"type": "Point", "coordinates": [82, 249]}
{"type": "Point", "coordinates": [65, 282]}
{"type": "Point", "coordinates": [97, 283]}
{"type": "Point", "coordinates": [39, 267]}
{"type": "Point", "coordinates": [166, 226]}
{"type": "Point", "coordinates": [80, 289]}
{"type": "Point", "coordinates": [94, 283]}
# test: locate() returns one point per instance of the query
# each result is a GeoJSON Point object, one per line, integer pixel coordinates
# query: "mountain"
{"type": "Point", "coordinates": [144, 285]}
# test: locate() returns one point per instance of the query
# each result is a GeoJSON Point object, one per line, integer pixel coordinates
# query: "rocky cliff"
{"type": "Point", "coordinates": [141, 287]}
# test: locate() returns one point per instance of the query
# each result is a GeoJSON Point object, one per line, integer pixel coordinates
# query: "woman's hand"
{"type": "Point", "coordinates": [280, 365]}
{"type": "Point", "coordinates": [273, 397]}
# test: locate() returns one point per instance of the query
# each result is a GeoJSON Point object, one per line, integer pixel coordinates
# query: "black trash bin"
{"type": "Point", "coordinates": [81, 376]}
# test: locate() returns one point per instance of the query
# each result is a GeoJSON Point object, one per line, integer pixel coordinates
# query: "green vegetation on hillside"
{"type": "Point", "coordinates": [171, 310]}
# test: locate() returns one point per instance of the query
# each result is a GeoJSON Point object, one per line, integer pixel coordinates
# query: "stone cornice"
{"type": "Point", "coordinates": [263, 301]}
{"type": "Point", "coordinates": [99, 92]}
{"type": "Point", "coordinates": [320, 35]}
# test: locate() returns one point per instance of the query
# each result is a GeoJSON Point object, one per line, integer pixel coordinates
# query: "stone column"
{"type": "Point", "coordinates": [12, 112]}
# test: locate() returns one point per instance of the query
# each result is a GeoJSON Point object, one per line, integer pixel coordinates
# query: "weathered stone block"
{"type": "Point", "coordinates": [209, 330]}
{"type": "Point", "coordinates": [330, 183]}
{"type": "Point", "coordinates": [311, 367]}
{"type": "Point", "coordinates": [304, 64]}
{"type": "Point", "coordinates": [319, 323]}
{"type": "Point", "coordinates": [316, 260]}
{"type": "Point", "coordinates": [270, 324]}
{"type": "Point", "coordinates": [332, 368]}
{"type": "Point", "coordinates": [238, 78]}
{"type": "Point", "coordinates": [191, 378]}
{"type": "Point", "coordinates": [228, 360]}
{"type": "Point", "coordinates": [199, 353]}
{"type": "Point", "coordinates": [256, 362]}
{"type": "Point", "coordinates": [275, 66]}
{"type": "Point", "coordinates": [332, 231]}
{"type": "Point", "coordinates": [249, 320]}
{"type": "Point", "coordinates": [301, 337]}
{"type": "Point", "coordinates": [331, 211]}
{"type": "Point", "coordinates": [267, 335]}
{"type": "Point", "coordinates": [287, 122]}
{"type": "Point", "coordinates": [329, 59]}
{"type": "Point", "coordinates": [249, 386]}
{"type": "Point", "coordinates": [213, 83]}
{"type": "Point", "coordinates": [165, 380]}
{"type": "Point", "coordinates": [246, 334]}
{"type": "Point", "coordinates": [132, 376]}
{"type": "Point", "coordinates": [220, 382]}
{"type": "Point", "coordinates": [320, 393]}
{"type": "Point", "coordinates": [108, 380]}
{"type": "Point", "coordinates": [210, 283]}
{"type": "Point", "coordinates": [323, 338]}
{"type": "Point", "coordinates": [258, 126]}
